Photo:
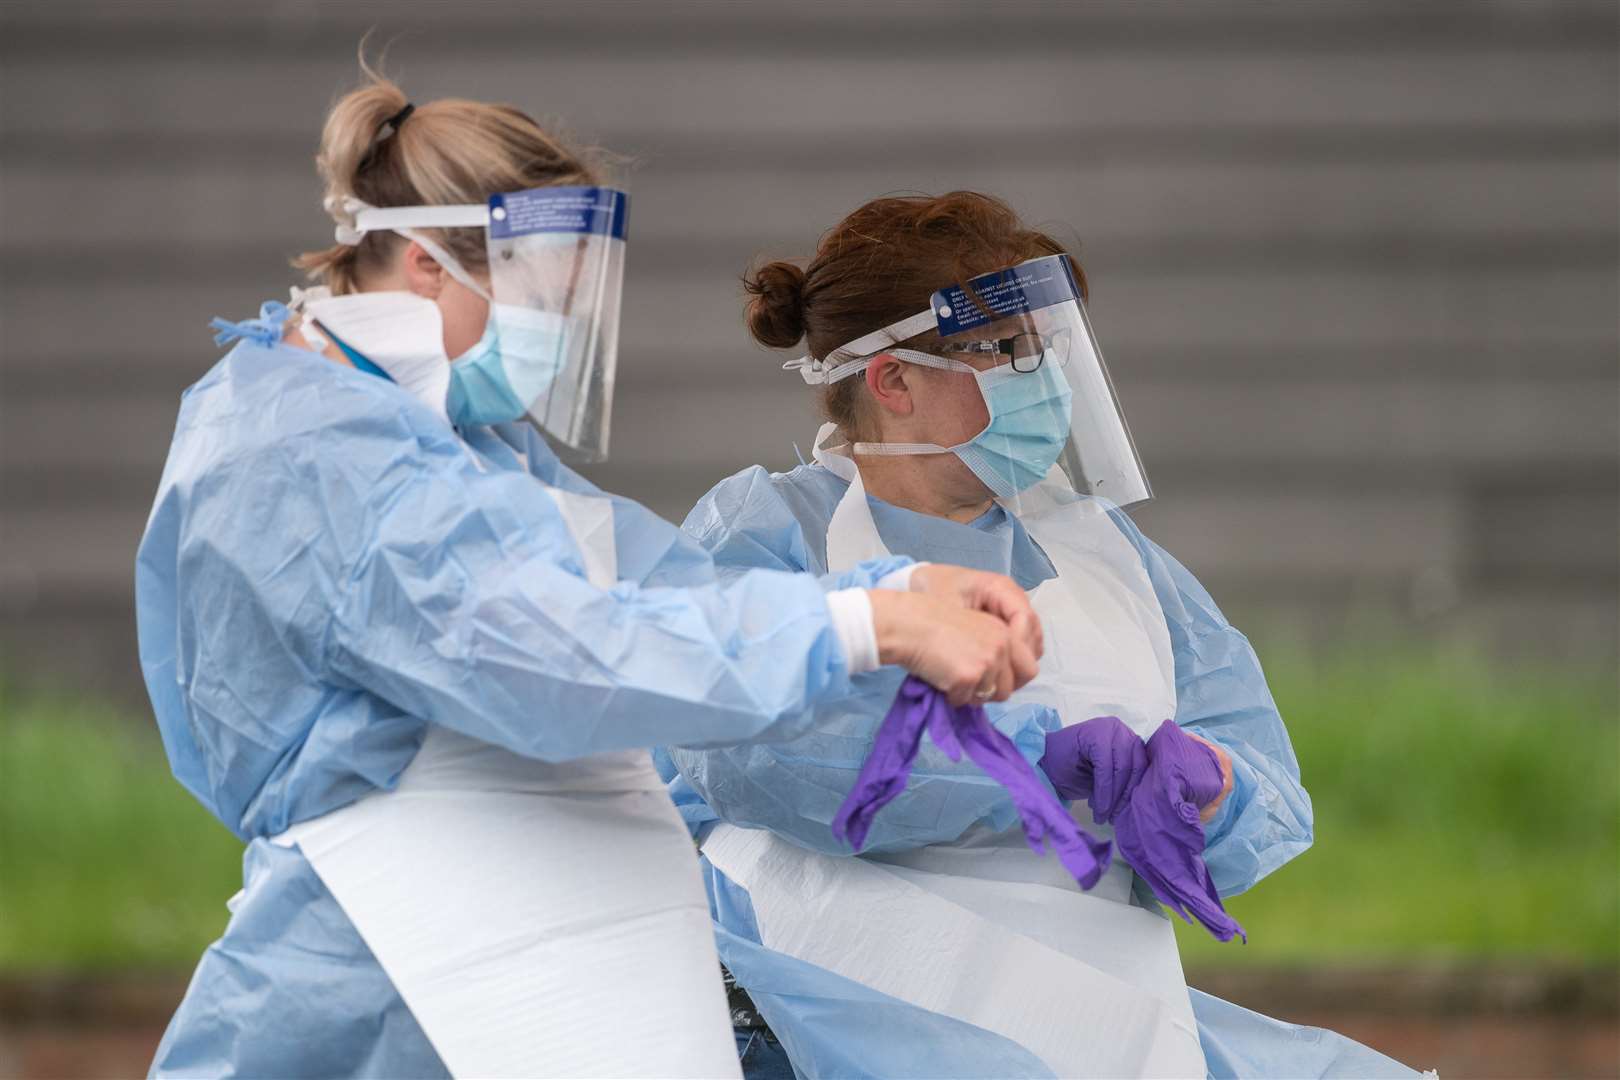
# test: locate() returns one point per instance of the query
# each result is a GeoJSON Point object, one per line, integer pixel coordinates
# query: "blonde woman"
{"type": "Point", "coordinates": [415, 662]}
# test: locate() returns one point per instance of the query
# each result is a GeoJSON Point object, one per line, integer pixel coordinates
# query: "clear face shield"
{"type": "Point", "coordinates": [1022, 332]}
{"type": "Point", "coordinates": [556, 279]}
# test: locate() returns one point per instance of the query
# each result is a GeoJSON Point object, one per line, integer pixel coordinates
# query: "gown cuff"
{"type": "Point", "coordinates": [851, 611]}
{"type": "Point", "coordinates": [900, 580]}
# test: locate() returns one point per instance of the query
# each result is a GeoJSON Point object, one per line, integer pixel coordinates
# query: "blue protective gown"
{"type": "Point", "coordinates": [328, 569]}
{"type": "Point", "coordinates": [834, 1027]}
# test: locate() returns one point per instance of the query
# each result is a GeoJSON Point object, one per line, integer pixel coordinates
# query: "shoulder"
{"type": "Point", "coordinates": [754, 498]}
{"type": "Point", "coordinates": [260, 396]}
{"type": "Point", "coordinates": [761, 517]}
{"type": "Point", "coordinates": [282, 424]}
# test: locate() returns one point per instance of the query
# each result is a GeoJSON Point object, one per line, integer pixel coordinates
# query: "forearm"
{"type": "Point", "coordinates": [795, 788]}
{"type": "Point", "coordinates": [547, 665]}
{"type": "Point", "coordinates": [1265, 821]}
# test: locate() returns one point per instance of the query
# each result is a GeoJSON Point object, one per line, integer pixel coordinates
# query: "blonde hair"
{"type": "Point", "coordinates": [444, 152]}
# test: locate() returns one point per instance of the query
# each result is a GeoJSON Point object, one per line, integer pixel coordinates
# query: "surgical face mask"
{"type": "Point", "coordinates": [1029, 423]}
{"type": "Point", "coordinates": [511, 366]}
{"type": "Point", "coordinates": [399, 332]}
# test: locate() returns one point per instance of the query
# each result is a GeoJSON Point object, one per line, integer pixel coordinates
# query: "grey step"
{"type": "Point", "coordinates": [622, 99]}
{"type": "Point", "coordinates": [228, 206]}
{"type": "Point", "coordinates": [707, 26]}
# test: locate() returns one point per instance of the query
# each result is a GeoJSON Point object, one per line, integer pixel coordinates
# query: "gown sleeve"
{"type": "Point", "coordinates": [455, 592]}
{"type": "Point", "coordinates": [794, 788]}
{"type": "Point", "coordinates": [1221, 694]}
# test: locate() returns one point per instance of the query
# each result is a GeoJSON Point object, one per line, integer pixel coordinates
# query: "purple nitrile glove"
{"type": "Point", "coordinates": [955, 730]}
{"type": "Point", "coordinates": [1159, 832]}
{"type": "Point", "coordinates": [1099, 760]}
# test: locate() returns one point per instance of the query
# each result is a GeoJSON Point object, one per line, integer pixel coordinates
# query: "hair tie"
{"type": "Point", "coordinates": [386, 130]}
{"type": "Point", "coordinates": [391, 125]}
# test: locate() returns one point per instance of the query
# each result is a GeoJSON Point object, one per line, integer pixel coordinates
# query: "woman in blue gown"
{"type": "Point", "coordinates": [841, 1014]}
{"type": "Point", "coordinates": [415, 662]}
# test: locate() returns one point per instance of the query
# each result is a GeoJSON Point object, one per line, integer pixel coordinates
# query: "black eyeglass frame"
{"type": "Point", "coordinates": [1057, 341]}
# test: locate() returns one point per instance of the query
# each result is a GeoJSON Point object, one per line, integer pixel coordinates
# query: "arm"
{"type": "Point", "coordinates": [794, 788]}
{"type": "Point", "coordinates": [457, 595]}
{"type": "Point", "coordinates": [1222, 696]}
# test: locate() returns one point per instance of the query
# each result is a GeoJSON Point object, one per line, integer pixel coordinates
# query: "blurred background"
{"type": "Point", "coordinates": [1355, 267]}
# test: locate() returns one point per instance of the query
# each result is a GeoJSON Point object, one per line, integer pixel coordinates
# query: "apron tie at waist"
{"type": "Point", "coordinates": [883, 777]}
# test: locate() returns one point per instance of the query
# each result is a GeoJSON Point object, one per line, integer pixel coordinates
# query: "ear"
{"type": "Point", "coordinates": [423, 274]}
{"type": "Point", "coordinates": [886, 378]}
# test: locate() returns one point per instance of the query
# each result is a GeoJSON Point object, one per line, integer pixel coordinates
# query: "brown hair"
{"type": "Point", "coordinates": [444, 152]}
{"type": "Point", "coordinates": [879, 265]}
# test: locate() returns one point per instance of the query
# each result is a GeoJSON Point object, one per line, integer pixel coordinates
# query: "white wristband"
{"type": "Point", "coordinates": [851, 611]}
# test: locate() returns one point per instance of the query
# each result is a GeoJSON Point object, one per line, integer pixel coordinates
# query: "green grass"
{"type": "Point", "coordinates": [1463, 810]}
{"type": "Point", "coordinates": [105, 861]}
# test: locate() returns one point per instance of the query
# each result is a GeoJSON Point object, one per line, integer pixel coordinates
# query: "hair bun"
{"type": "Point", "coordinates": [776, 313]}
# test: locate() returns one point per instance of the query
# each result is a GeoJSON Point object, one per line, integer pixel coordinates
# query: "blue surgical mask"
{"type": "Point", "coordinates": [1029, 423]}
{"type": "Point", "coordinates": [511, 366]}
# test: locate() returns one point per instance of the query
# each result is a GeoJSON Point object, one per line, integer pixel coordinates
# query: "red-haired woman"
{"type": "Point", "coordinates": [969, 418]}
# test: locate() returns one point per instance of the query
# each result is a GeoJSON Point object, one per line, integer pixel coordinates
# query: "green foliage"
{"type": "Point", "coordinates": [104, 860]}
{"type": "Point", "coordinates": [1462, 810]}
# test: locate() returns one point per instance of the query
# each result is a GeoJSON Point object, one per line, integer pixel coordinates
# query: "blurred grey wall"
{"type": "Point", "coordinates": [1354, 265]}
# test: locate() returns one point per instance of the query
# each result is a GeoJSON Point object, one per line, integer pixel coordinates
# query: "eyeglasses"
{"type": "Point", "coordinates": [1025, 350]}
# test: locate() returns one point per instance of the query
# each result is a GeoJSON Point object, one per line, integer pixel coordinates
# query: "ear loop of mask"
{"type": "Point", "coordinates": [449, 262]}
{"type": "Point", "coordinates": [910, 356]}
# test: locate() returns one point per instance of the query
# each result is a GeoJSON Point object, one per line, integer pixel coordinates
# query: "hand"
{"type": "Point", "coordinates": [1099, 760]}
{"type": "Point", "coordinates": [967, 654]}
{"type": "Point", "coordinates": [1208, 810]}
{"type": "Point", "coordinates": [993, 594]}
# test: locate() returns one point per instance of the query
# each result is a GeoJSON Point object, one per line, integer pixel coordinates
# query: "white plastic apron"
{"type": "Point", "coordinates": [982, 929]}
{"type": "Point", "coordinates": [537, 919]}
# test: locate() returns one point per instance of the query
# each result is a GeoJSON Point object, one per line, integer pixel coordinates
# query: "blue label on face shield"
{"type": "Point", "coordinates": [598, 211]}
{"type": "Point", "coordinates": [1027, 287]}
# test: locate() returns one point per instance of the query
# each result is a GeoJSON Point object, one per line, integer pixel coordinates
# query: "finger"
{"type": "Point", "coordinates": [1006, 681]}
{"type": "Point", "coordinates": [1024, 664]}
{"type": "Point", "coordinates": [999, 596]}
{"type": "Point", "coordinates": [1026, 630]}
{"type": "Point", "coordinates": [1012, 603]}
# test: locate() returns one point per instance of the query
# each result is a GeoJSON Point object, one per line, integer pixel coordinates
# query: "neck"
{"type": "Point", "coordinates": [912, 482]}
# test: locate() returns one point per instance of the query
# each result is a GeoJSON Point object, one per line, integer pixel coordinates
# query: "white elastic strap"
{"type": "Point", "coordinates": [826, 375]}
{"type": "Point", "coordinates": [892, 334]}
{"type": "Point", "coordinates": [449, 216]}
{"type": "Point", "coordinates": [820, 372]}
{"type": "Point", "coordinates": [451, 264]}
{"type": "Point", "coordinates": [898, 449]}
{"type": "Point", "coordinates": [356, 217]}
{"type": "Point", "coordinates": [851, 611]}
